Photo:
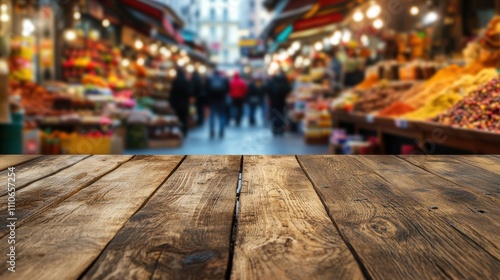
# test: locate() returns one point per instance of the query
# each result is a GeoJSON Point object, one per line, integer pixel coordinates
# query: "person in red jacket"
{"type": "Point", "coordinates": [238, 91]}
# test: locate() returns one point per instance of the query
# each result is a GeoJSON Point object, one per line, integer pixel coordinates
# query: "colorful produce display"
{"type": "Point", "coordinates": [480, 110]}
{"type": "Point", "coordinates": [35, 100]}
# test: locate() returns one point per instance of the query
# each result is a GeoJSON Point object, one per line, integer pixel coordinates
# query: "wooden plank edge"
{"type": "Point", "coordinates": [20, 223]}
{"type": "Point", "coordinates": [19, 187]}
{"type": "Point", "coordinates": [133, 214]}
{"type": "Point", "coordinates": [355, 254]}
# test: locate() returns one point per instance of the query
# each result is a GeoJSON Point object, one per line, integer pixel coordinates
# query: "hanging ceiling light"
{"type": "Point", "coordinates": [141, 61]}
{"type": "Point", "coordinates": [378, 24]}
{"type": "Point", "coordinates": [77, 15]}
{"type": "Point", "coordinates": [336, 37]}
{"type": "Point", "coordinates": [172, 73]}
{"type": "Point", "coordinates": [373, 11]}
{"type": "Point", "coordinates": [346, 36]}
{"type": "Point", "coordinates": [70, 35]}
{"type": "Point", "coordinates": [364, 40]}
{"type": "Point", "coordinates": [190, 68]}
{"type": "Point", "coordinates": [318, 46]}
{"type": "Point", "coordinates": [4, 17]}
{"type": "Point", "coordinates": [138, 44]}
{"type": "Point", "coordinates": [165, 52]}
{"type": "Point", "coordinates": [125, 62]}
{"type": "Point", "coordinates": [202, 69]}
{"type": "Point", "coordinates": [358, 16]}
{"type": "Point", "coordinates": [296, 45]}
{"type": "Point", "coordinates": [414, 10]}
{"type": "Point", "coordinates": [106, 22]}
{"type": "Point", "coordinates": [153, 48]}
{"type": "Point", "coordinates": [430, 17]}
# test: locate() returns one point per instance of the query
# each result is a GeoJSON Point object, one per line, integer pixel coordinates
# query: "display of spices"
{"type": "Point", "coordinates": [435, 106]}
{"type": "Point", "coordinates": [396, 109]}
{"type": "Point", "coordinates": [369, 82]}
{"type": "Point", "coordinates": [378, 98]}
{"type": "Point", "coordinates": [480, 110]}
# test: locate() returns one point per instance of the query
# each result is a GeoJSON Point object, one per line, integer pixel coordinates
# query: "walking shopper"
{"type": "Point", "coordinates": [217, 92]}
{"type": "Point", "coordinates": [238, 92]}
{"type": "Point", "coordinates": [180, 95]}
{"type": "Point", "coordinates": [256, 97]}
{"type": "Point", "coordinates": [278, 91]}
{"type": "Point", "coordinates": [200, 95]}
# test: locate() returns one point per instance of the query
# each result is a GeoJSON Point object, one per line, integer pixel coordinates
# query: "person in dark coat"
{"type": "Point", "coordinates": [200, 95]}
{"type": "Point", "coordinates": [180, 95]}
{"type": "Point", "coordinates": [279, 89]}
{"type": "Point", "coordinates": [217, 87]}
{"type": "Point", "coordinates": [257, 91]}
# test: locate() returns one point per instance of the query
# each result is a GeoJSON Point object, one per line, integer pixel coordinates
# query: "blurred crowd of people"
{"type": "Point", "coordinates": [226, 98]}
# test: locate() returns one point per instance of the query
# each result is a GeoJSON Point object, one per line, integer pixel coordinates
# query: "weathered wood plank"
{"type": "Point", "coordinates": [284, 231]}
{"type": "Point", "coordinates": [47, 192]}
{"type": "Point", "coordinates": [39, 168]}
{"type": "Point", "coordinates": [64, 241]}
{"type": "Point", "coordinates": [471, 213]}
{"type": "Point", "coordinates": [14, 160]}
{"type": "Point", "coordinates": [455, 171]}
{"type": "Point", "coordinates": [489, 163]}
{"type": "Point", "coordinates": [394, 236]}
{"type": "Point", "coordinates": [183, 232]}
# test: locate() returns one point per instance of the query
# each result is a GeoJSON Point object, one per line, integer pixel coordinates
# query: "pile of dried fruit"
{"type": "Point", "coordinates": [479, 110]}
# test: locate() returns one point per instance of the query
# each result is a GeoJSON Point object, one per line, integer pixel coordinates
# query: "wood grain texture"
{"type": "Point", "coordinates": [394, 236]}
{"type": "Point", "coordinates": [284, 231]}
{"type": "Point", "coordinates": [183, 232]}
{"type": "Point", "coordinates": [490, 163]}
{"type": "Point", "coordinates": [52, 190]}
{"type": "Point", "coordinates": [63, 241]}
{"type": "Point", "coordinates": [39, 168]}
{"type": "Point", "coordinates": [471, 213]}
{"type": "Point", "coordinates": [14, 160]}
{"type": "Point", "coordinates": [453, 170]}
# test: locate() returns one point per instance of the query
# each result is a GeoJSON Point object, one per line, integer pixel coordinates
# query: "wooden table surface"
{"type": "Point", "coordinates": [253, 217]}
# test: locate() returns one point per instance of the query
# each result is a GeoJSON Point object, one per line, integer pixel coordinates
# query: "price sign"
{"type": "Point", "coordinates": [401, 123]}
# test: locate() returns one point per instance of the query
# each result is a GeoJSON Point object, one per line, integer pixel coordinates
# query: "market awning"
{"type": "Point", "coordinates": [152, 13]}
{"type": "Point", "coordinates": [306, 18]}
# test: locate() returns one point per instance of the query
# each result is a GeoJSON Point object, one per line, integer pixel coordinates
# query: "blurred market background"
{"type": "Point", "coordinates": [291, 77]}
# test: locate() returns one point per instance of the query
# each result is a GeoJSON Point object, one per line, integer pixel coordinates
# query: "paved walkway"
{"type": "Point", "coordinates": [246, 140]}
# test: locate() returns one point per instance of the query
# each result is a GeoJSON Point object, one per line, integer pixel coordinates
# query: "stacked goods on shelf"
{"type": "Point", "coordinates": [164, 132]}
{"type": "Point", "coordinates": [317, 123]}
{"type": "Point", "coordinates": [479, 110]}
{"type": "Point", "coordinates": [58, 142]}
{"type": "Point", "coordinates": [35, 100]}
{"type": "Point", "coordinates": [302, 95]}
{"type": "Point", "coordinates": [21, 59]}
{"type": "Point", "coordinates": [87, 56]}
{"type": "Point", "coordinates": [450, 95]}
{"type": "Point", "coordinates": [345, 102]}
{"type": "Point", "coordinates": [489, 53]}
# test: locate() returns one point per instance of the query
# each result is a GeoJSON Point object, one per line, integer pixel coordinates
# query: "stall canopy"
{"type": "Point", "coordinates": [159, 17]}
{"type": "Point", "coordinates": [304, 19]}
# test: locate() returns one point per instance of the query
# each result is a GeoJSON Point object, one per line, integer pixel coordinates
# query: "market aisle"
{"type": "Point", "coordinates": [245, 140]}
